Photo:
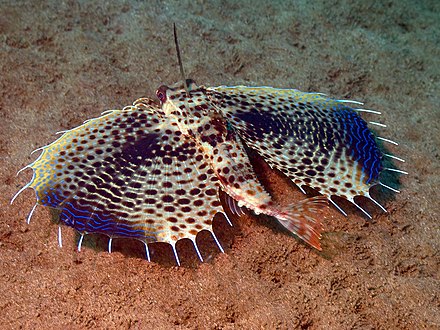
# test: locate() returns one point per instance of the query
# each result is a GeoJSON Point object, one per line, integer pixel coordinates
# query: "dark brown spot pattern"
{"type": "Point", "coordinates": [150, 186]}
{"type": "Point", "coordinates": [153, 173]}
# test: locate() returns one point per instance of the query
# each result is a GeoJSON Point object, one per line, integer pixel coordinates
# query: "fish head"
{"type": "Point", "coordinates": [183, 99]}
{"type": "Point", "coordinates": [187, 104]}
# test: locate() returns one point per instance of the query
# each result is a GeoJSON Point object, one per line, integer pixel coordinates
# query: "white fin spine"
{"type": "Point", "coordinates": [175, 254]}
{"type": "Point", "coordinates": [199, 255]}
{"type": "Point", "coordinates": [377, 203]}
{"type": "Point", "coordinates": [80, 242]}
{"type": "Point", "coordinates": [387, 140]}
{"type": "Point", "coordinates": [368, 111]}
{"type": "Point", "coordinates": [360, 208]}
{"type": "Point", "coordinates": [27, 166]}
{"type": "Point", "coordinates": [337, 206]}
{"type": "Point", "coordinates": [350, 101]}
{"type": "Point", "coordinates": [217, 242]}
{"type": "Point", "coordinates": [147, 252]}
{"type": "Point", "coordinates": [31, 213]}
{"type": "Point", "coordinates": [388, 187]}
{"type": "Point", "coordinates": [394, 170]}
{"type": "Point", "coordinates": [109, 247]}
{"type": "Point", "coordinates": [395, 157]}
{"type": "Point", "coordinates": [60, 238]}
{"type": "Point", "coordinates": [377, 124]}
{"type": "Point", "coordinates": [19, 192]}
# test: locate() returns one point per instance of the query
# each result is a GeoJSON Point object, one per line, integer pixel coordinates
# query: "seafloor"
{"type": "Point", "coordinates": [63, 62]}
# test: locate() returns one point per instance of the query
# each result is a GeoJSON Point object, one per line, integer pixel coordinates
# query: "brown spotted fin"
{"type": "Point", "coordinates": [314, 140]}
{"type": "Point", "coordinates": [129, 173]}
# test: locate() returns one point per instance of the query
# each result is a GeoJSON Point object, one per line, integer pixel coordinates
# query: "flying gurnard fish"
{"type": "Point", "coordinates": [157, 172]}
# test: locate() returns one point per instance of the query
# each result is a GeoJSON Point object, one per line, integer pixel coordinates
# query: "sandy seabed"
{"type": "Point", "coordinates": [63, 62]}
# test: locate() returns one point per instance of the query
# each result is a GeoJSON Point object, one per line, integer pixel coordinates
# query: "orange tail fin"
{"type": "Point", "coordinates": [302, 220]}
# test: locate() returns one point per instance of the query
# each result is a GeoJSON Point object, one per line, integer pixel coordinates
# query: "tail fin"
{"type": "Point", "coordinates": [302, 220]}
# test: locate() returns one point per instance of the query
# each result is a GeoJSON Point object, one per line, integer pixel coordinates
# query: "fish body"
{"type": "Point", "coordinates": [153, 171]}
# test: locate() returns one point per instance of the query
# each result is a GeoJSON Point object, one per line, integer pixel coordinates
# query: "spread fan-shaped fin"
{"type": "Point", "coordinates": [315, 141]}
{"type": "Point", "coordinates": [129, 173]}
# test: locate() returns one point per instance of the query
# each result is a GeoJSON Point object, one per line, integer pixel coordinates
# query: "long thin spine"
{"type": "Point", "coordinates": [60, 238]}
{"type": "Point", "coordinates": [147, 251]}
{"type": "Point", "coordinates": [363, 211]}
{"type": "Point", "coordinates": [388, 187]}
{"type": "Point", "coordinates": [368, 111]}
{"type": "Point", "coordinates": [28, 219]}
{"type": "Point", "coordinates": [198, 251]}
{"type": "Point", "coordinates": [38, 149]}
{"type": "Point", "coordinates": [387, 140]}
{"type": "Point", "coordinates": [302, 190]}
{"type": "Point", "coordinates": [217, 242]}
{"type": "Point", "coordinates": [377, 203]}
{"type": "Point", "coordinates": [19, 192]}
{"type": "Point", "coordinates": [80, 242]}
{"type": "Point", "coordinates": [27, 166]}
{"type": "Point", "coordinates": [377, 124]}
{"type": "Point", "coordinates": [394, 157]}
{"type": "Point", "coordinates": [175, 254]}
{"type": "Point", "coordinates": [395, 170]}
{"type": "Point", "coordinates": [227, 219]}
{"type": "Point", "coordinates": [338, 207]}
{"type": "Point", "coordinates": [350, 101]}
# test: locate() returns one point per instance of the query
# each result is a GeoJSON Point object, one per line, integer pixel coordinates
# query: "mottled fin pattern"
{"type": "Point", "coordinates": [316, 141]}
{"type": "Point", "coordinates": [128, 173]}
{"type": "Point", "coordinates": [199, 119]}
{"type": "Point", "coordinates": [153, 172]}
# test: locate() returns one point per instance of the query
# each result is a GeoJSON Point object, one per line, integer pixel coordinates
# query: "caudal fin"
{"type": "Point", "coordinates": [302, 220]}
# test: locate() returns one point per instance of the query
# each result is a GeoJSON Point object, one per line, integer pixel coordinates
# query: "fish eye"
{"type": "Point", "coordinates": [161, 93]}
